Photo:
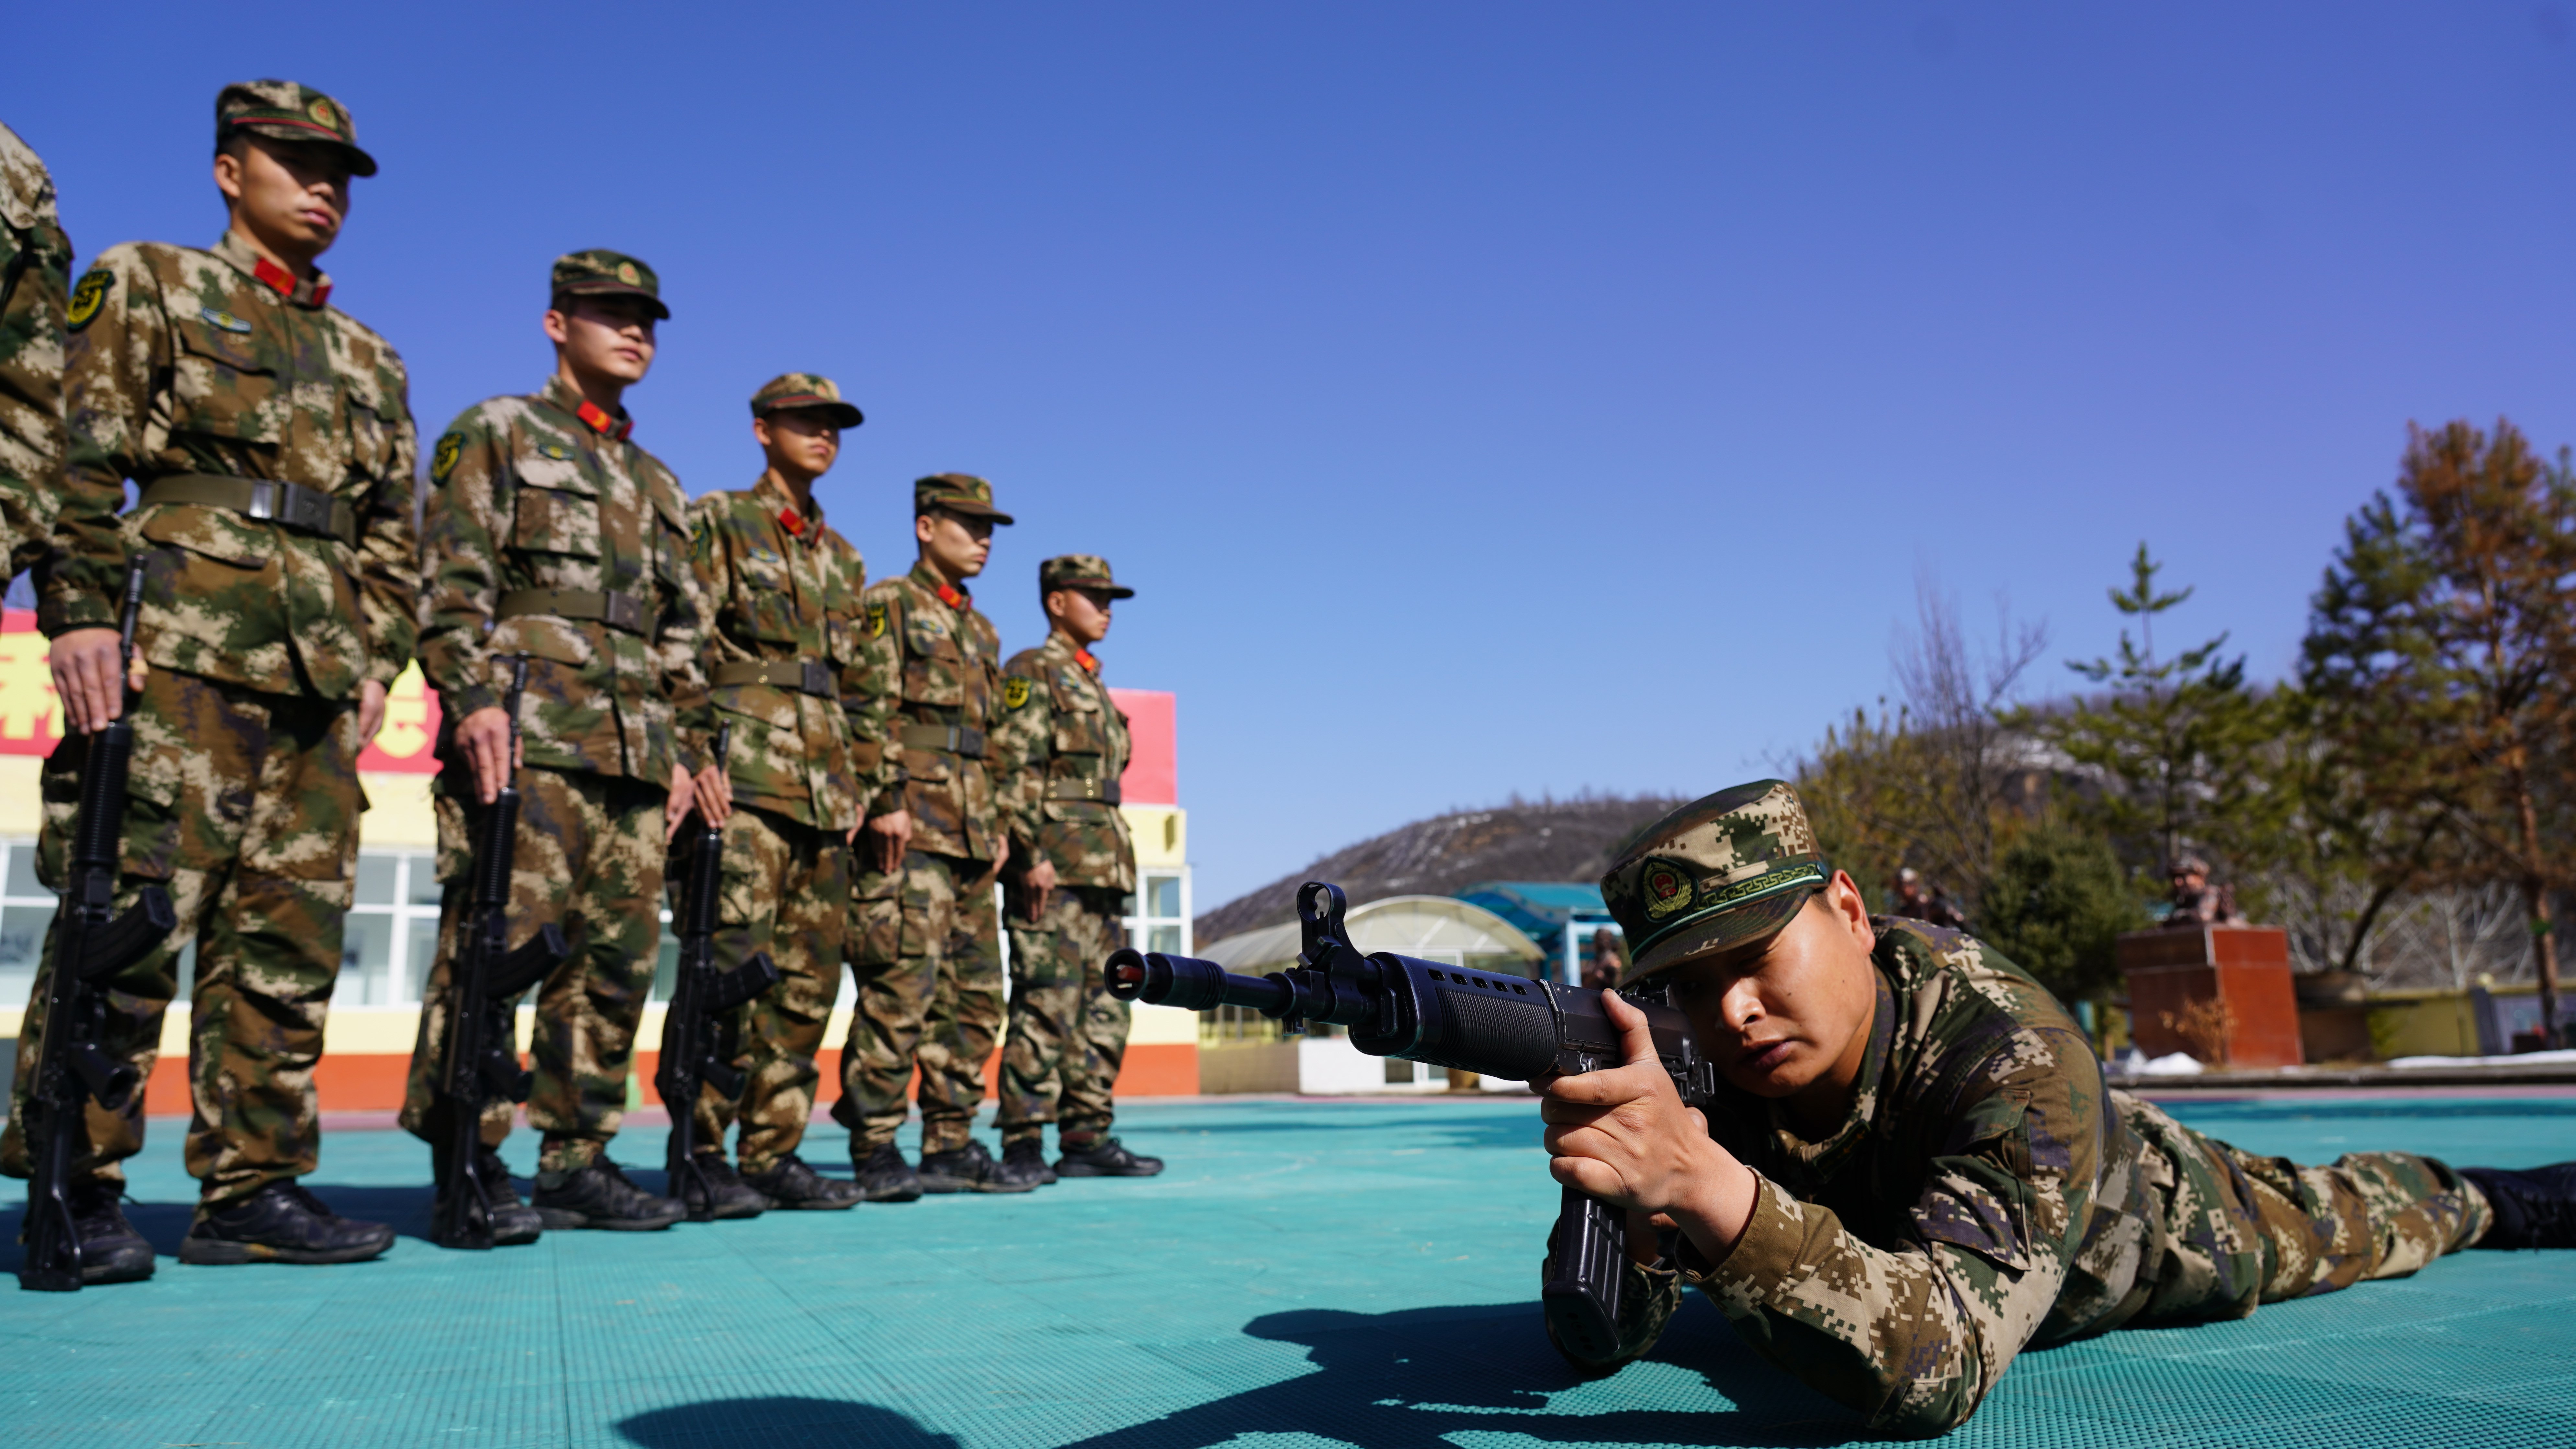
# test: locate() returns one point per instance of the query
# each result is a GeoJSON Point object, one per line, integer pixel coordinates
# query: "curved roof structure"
{"type": "Point", "coordinates": [1436, 928]}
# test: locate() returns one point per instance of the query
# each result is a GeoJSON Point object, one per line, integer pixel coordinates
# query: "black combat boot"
{"type": "Point", "coordinates": [972, 1169]}
{"type": "Point", "coordinates": [1105, 1157]}
{"type": "Point", "coordinates": [883, 1176]}
{"type": "Point", "coordinates": [791, 1184]}
{"type": "Point", "coordinates": [2535, 1207]}
{"type": "Point", "coordinates": [280, 1223]}
{"type": "Point", "coordinates": [111, 1251]}
{"type": "Point", "coordinates": [718, 1194]}
{"type": "Point", "coordinates": [1028, 1156]}
{"type": "Point", "coordinates": [513, 1221]}
{"type": "Point", "coordinates": [597, 1195]}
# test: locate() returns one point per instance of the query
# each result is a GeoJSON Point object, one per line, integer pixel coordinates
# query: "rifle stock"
{"type": "Point", "coordinates": [1473, 1021]}
{"type": "Point", "coordinates": [92, 944]}
{"type": "Point", "coordinates": [700, 1031]}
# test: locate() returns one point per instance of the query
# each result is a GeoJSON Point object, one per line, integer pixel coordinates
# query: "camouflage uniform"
{"type": "Point", "coordinates": [35, 287]}
{"type": "Point", "coordinates": [210, 378]}
{"type": "Point", "coordinates": [789, 639]}
{"type": "Point", "coordinates": [554, 537]}
{"type": "Point", "coordinates": [1986, 1193]}
{"type": "Point", "coordinates": [926, 937]}
{"type": "Point", "coordinates": [1062, 747]}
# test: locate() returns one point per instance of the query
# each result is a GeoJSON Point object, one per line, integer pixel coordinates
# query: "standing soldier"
{"type": "Point", "coordinates": [270, 439]}
{"type": "Point", "coordinates": [788, 638]}
{"type": "Point", "coordinates": [555, 539]}
{"type": "Point", "coordinates": [35, 288]}
{"type": "Point", "coordinates": [1062, 747]}
{"type": "Point", "coordinates": [928, 941]}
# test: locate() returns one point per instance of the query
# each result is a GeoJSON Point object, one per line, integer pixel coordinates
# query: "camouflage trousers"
{"type": "Point", "coordinates": [927, 944]}
{"type": "Point", "coordinates": [589, 858]}
{"type": "Point", "coordinates": [786, 891]}
{"type": "Point", "coordinates": [244, 806]}
{"type": "Point", "coordinates": [2246, 1230]}
{"type": "Point", "coordinates": [1067, 1034]}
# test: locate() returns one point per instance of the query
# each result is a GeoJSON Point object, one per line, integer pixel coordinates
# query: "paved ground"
{"type": "Point", "coordinates": [1307, 1273]}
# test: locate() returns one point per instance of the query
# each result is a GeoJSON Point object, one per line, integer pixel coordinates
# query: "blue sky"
{"type": "Point", "coordinates": [1483, 398]}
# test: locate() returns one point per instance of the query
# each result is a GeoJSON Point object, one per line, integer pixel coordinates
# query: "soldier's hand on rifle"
{"type": "Point", "coordinates": [892, 835]}
{"type": "Point", "coordinates": [1039, 882]}
{"type": "Point", "coordinates": [84, 666]}
{"type": "Point", "coordinates": [675, 808]}
{"type": "Point", "coordinates": [371, 711]}
{"type": "Point", "coordinates": [485, 738]}
{"type": "Point", "coordinates": [1623, 1136]}
{"type": "Point", "coordinates": [715, 794]}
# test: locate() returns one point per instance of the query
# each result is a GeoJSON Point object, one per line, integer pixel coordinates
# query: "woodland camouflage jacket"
{"type": "Point", "coordinates": [1986, 1194]}
{"type": "Point", "coordinates": [35, 286]}
{"type": "Point", "coordinates": [1059, 752]}
{"type": "Point", "coordinates": [945, 696]}
{"type": "Point", "coordinates": [784, 589]}
{"type": "Point", "coordinates": [541, 509]}
{"type": "Point", "coordinates": [220, 363]}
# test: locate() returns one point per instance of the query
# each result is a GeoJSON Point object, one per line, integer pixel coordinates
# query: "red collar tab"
{"type": "Point", "coordinates": [948, 595]}
{"type": "Point", "coordinates": [282, 282]}
{"type": "Point", "coordinates": [1084, 658]}
{"type": "Point", "coordinates": [601, 423]}
{"type": "Point", "coordinates": [792, 521]}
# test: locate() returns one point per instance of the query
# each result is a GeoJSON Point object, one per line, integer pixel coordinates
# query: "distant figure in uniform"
{"type": "Point", "coordinates": [269, 437]}
{"type": "Point", "coordinates": [551, 535]}
{"type": "Point", "coordinates": [35, 289]}
{"type": "Point", "coordinates": [926, 938]}
{"type": "Point", "coordinates": [1061, 748]}
{"type": "Point", "coordinates": [1607, 960]}
{"type": "Point", "coordinates": [1910, 897]}
{"type": "Point", "coordinates": [789, 639]}
{"type": "Point", "coordinates": [2195, 901]}
{"type": "Point", "coordinates": [1912, 1170]}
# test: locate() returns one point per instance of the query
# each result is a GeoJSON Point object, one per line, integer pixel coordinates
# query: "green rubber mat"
{"type": "Point", "coordinates": [1304, 1274]}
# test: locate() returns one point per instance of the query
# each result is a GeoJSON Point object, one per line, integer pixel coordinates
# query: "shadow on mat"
{"type": "Point", "coordinates": [767, 1423]}
{"type": "Point", "coordinates": [1416, 1379]}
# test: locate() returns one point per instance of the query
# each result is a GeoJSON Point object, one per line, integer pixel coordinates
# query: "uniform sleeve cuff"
{"type": "Point", "coordinates": [458, 704]}
{"type": "Point", "coordinates": [1766, 1254]}
{"type": "Point", "coordinates": [58, 615]}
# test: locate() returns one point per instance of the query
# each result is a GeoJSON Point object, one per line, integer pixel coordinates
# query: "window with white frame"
{"type": "Point", "coordinates": [1158, 912]}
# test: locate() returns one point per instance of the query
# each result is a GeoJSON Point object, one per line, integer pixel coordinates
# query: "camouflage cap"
{"type": "Point", "coordinates": [1080, 571]}
{"type": "Point", "coordinates": [285, 111]}
{"type": "Point", "coordinates": [959, 493]}
{"type": "Point", "coordinates": [600, 272]}
{"type": "Point", "coordinates": [790, 391]}
{"type": "Point", "coordinates": [1715, 874]}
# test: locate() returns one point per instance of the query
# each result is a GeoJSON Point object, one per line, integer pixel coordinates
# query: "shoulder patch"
{"type": "Point", "coordinates": [1015, 692]}
{"type": "Point", "coordinates": [876, 618]}
{"type": "Point", "coordinates": [89, 296]}
{"type": "Point", "coordinates": [218, 317]}
{"type": "Point", "coordinates": [442, 459]}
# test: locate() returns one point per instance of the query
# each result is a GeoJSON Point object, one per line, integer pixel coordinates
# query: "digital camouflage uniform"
{"type": "Point", "coordinates": [35, 287]}
{"type": "Point", "coordinates": [209, 377]}
{"type": "Point", "coordinates": [1062, 747]}
{"type": "Point", "coordinates": [789, 639]}
{"type": "Point", "coordinates": [1986, 1193]}
{"type": "Point", "coordinates": [553, 536]}
{"type": "Point", "coordinates": [926, 938]}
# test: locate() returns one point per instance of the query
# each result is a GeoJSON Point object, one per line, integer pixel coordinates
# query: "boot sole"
{"type": "Point", "coordinates": [216, 1253]}
{"type": "Point", "coordinates": [815, 1204]}
{"type": "Point", "coordinates": [1061, 1170]}
{"type": "Point", "coordinates": [100, 1274]}
{"type": "Point", "coordinates": [966, 1184]}
{"type": "Point", "coordinates": [560, 1219]}
{"type": "Point", "coordinates": [891, 1194]}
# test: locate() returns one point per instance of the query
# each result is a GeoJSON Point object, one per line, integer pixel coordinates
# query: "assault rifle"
{"type": "Point", "coordinates": [701, 1032]}
{"type": "Point", "coordinates": [482, 1061]}
{"type": "Point", "coordinates": [91, 945]}
{"type": "Point", "coordinates": [1473, 1021]}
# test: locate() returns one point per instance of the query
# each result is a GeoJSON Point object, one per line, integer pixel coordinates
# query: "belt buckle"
{"type": "Point", "coordinates": [263, 499]}
{"type": "Point", "coordinates": [817, 680]}
{"type": "Point", "coordinates": [307, 509]}
{"type": "Point", "coordinates": [622, 612]}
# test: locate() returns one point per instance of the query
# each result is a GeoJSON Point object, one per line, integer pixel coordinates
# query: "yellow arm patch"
{"type": "Point", "coordinates": [1015, 692]}
{"type": "Point", "coordinates": [876, 619]}
{"type": "Point", "coordinates": [442, 459]}
{"type": "Point", "coordinates": [89, 297]}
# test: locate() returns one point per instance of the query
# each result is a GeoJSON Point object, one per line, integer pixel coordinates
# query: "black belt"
{"type": "Point", "coordinates": [290, 506]}
{"type": "Point", "coordinates": [946, 739]}
{"type": "Point", "coordinates": [807, 676]}
{"type": "Point", "coordinates": [616, 610]}
{"type": "Point", "coordinates": [1104, 791]}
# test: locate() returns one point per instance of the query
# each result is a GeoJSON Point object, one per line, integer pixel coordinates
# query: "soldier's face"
{"type": "Point", "coordinates": [1083, 614]}
{"type": "Point", "coordinates": [1780, 1016]}
{"type": "Point", "coordinates": [955, 545]}
{"type": "Point", "coordinates": [605, 337]}
{"type": "Point", "coordinates": [799, 443]}
{"type": "Point", "coordinates": [291, 199]}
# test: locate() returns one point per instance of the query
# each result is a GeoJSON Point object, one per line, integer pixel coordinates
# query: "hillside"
{"type": "Point", "coordinates": [1556, 840]}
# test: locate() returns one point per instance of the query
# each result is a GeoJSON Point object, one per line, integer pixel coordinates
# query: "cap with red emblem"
{"type": "Point", "coordinates": [599, 272]}
{"type": "Point", "coordinates": [284, 111]}
{"type": "Point", "coordinates": [795, 391]}
{"type": "Point", "coordinates": [1713, 875]}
